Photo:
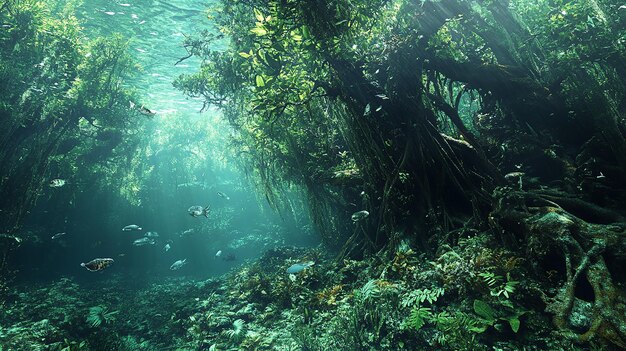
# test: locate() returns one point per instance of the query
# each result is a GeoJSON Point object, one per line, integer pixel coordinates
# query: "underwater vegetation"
{"type": "Point", "coordinates": [462, 162]}
{"type": "Point", "coordinates": [445, 302]}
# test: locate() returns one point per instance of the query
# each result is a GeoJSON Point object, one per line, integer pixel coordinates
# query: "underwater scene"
{"type": "Point", "coordinates": [312, 175]}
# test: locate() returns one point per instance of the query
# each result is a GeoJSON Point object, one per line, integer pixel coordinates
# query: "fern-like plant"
{"type": "Point", "coordinates": [420, 296]}
{"type": "Point", "coordinates": [488, 317]}
{"type": "Point", "coordinates": [497, 285]}
{"type": "Point", "coordinates": [238, 332]}
{"type": "Point", "coordinates": [100, 314]}
{"type": "Point", "coordinates": [369, 291]}
{"type": "Point", "coordinates": [418, 317]}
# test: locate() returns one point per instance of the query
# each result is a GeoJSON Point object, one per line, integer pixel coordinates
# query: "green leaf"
{"type": "Point", "coordinates": [259, 31]}
{"type": "Point", "coordinates": [259, 81]}
{"type": "Point", "coordinates": [515, 323]}
{"type": "Point", "coordinates": [259, 16]}
{"type": "Point", "coordinates": [296, 37]}
{"type": "Point", "coordinates": [306, 34]}
{"type": "Point", "coordinates": [245, 55]}
{"type": "Point", "coordinates": [479, 329]}
{"type": "Point", "coordinates": [273, 63]}
{"type": "Point", "coordinates": [484, 310]}
{"type": "Point", "coordinates": [418, 317]}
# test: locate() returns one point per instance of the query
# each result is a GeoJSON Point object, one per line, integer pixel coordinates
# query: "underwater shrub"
{"type": "Point", "coordinates": [100, 314]}
{"type": "Point", "coordinates": [238, 332]}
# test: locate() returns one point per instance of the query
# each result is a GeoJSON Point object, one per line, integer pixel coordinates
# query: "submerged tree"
{"type": "Point", "coordinates": [64, 110]}
{"type": "Point", "coordinates": [438, 115]}
{"type": "Point", "coordinates": [64, 114]}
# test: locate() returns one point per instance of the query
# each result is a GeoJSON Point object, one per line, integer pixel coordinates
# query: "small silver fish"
{"type": "Point", "coordinates": [144, 241]}
{"type": "Point", "coordinates": [145, 111]}
{"type": "Point", "coordinates": [151, 235]}
{"type": "Point", "coordinates": [132, 227]}
{"type": "Point", "coordinates": [167, 247]}
{"type": "Point", "coordinates": [57, 183]}
{"type": "Point", "coordinates": [187, 232]}
{"type": "Point", "coordinates": [514, 175]}
{"type": "Point", "coordinates": [197, 211]}
{"type": "Point", "coordinates": [97, 264]}
{"type": "Point", "coordinates": [178, 264]}
{"type": "Point", "coordinates": [359, 216]}
{"type": "Point", "coordinates": [299, 267]}
{"type": "Point", "coordinates": [58, 235]}
{"type": "Point", "coordinates": [218, 253]}
{"type": "Point", "coordinates": [222, 195]}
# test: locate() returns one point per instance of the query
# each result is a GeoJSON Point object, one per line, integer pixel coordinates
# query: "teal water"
{"type": "Point", "coordinates": [186, 155]}
{"type": "Point", "coordinates": [406, 175]}
{"type": "Point", "coordinates": [156, 30]}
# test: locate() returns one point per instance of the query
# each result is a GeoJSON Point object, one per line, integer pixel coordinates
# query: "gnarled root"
{"type": "Point", "coordinates": [553, 233]}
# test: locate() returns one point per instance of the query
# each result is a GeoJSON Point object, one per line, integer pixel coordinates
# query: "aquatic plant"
{"type": "Point", "coordinates": [238, 332]}
{"type": "Point", "coordinates": [488, 317]}
{"type": "Point", "coordinates": [498, 285]}
{"type": "Point", "coordinates": [328, 296]}
{"type": "Point", "coordinates": [99, 315]}
{"type": "Point", "coordinates": [306, 338]}
{"type": "Point", "coordinates": [418, 317]}
{"type": "Point", "coordinates": [420, 296]}
{"type": "Point", "coordinates": [69, 345]}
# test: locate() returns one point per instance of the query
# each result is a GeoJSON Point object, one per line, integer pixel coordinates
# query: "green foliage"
{"type": "Point", "coordinates": [418, 317]}
{"type": "Point", "coordinates": [420, 296]}
{"type": "Point", "coordinates": [368, 292]}
{"type": "Point", "coordinates": [64, 103]}
{"type": "Point", "coordinates": [498, 285]}
{"type": "Point", "coordinates": [489, 317]}
{"type": "Point", "coordinates": [99, 315]}
{"type": "Point", "coordinates": [238, 332]}
{"type": "Point", "coordinates": [72, 345]}
{"type": "Point", "coordinates": [484, 310]}
{"type": "Point", "coordinates": [306, 338]}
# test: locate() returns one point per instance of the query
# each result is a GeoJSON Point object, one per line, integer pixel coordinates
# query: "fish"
{"type": "Point", "coordinates": [178, 264]}
{"type": "Point", "coordinates": [144, 241]}
{"type": "Point", "coordinates": [58, 235]}
{"type": "Point", "coordinates": [151, 235]}
{"type": "Point", "coordinates": [142, 109]}
{"type": "Point", "coordinates": [132, 227]}
{"type": "Point", "coordinates": [97, 264]}
{"type": "Point", "coordinates": [223, 196]}
{"type": "Point", "coordinates": [56, 183]}
{"type": "Point", "coordinates": [145, 111]}
{"type": "Point", "coordinates": [186, 232]}
{"type": "Point", "coordinates": [218, 253]}
{"type": "Point", "coordinates": [513, 175]}
{"type": "Point", "coordinates": [167, 247]}
{"type": "Point", "coordinates": [359, 216]}
{"type": "Point", "coordinates": [197, 211]}
{"type": "Point", "coordinates": [299, 267]}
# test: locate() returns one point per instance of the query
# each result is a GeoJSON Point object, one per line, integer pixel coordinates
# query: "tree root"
{"type": "Point", "coordinates": [584, 247]}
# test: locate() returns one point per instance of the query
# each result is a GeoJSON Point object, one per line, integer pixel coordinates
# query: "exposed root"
{"type": "Point", "coordinates": [582, 246]}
